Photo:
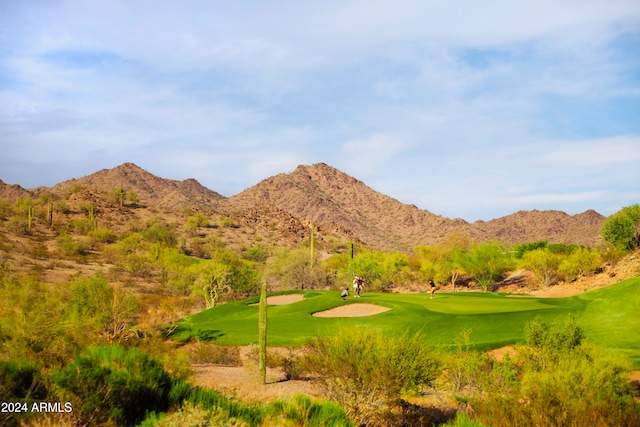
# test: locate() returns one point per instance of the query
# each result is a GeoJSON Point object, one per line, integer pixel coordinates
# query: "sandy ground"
{"type": "Point", "coordinates": [244, 382]}
{"type": "Point", "coordinates": [284, 299]}
{"type": "Point", "coordinates": [353, 310]}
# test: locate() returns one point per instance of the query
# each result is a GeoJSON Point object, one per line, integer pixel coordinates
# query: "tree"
{"type": "Point", "coordinates": [97, 305]}
{"type": "Point", "coordinates": [581, 261]}
{"type": "Point", "coordinates": [544, 265]}
{"type": "Point", "coordinates": [445, 261]}
{"type": "Point", "coordinates": [623, 228]}
{"type": "Point", "coordinates": [291, 269]}
{"type": "Point", "coordinates": [212, 280]}
{"type": "Point", "coordinates": [487, 263]}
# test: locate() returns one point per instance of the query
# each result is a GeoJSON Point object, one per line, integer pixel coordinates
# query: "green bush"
{"type": "Point", "coordinates": [70, 246]}
{"type": "Point", "coordinates": [194, 416]}
{"type": "Point", "coordinates": [113, 384]}
{"type": "Point", "coordinates": [581, 261]}
{"type": "Point", "coordinates": [561, 382]}
{"type": "Point", "coordinates": [367, 373]}
{"type": "Point", "coordinates": [103, 235]}
{"type": "Point", "coordinates": [303, 411]}
{"type": "Point", "coordinates": [20, 381]}
{"type": "Point", "coordinates": [623, 228]}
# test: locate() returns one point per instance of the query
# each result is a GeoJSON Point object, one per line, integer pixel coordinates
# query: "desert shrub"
{"type": "Point", "coordinates": [193, 415]}
{"type": "Point", "coordinates": [584, 386]}
{"type": "Point", "coordinates": [71, 246]}
{"type": "Point", "coordinates": [548, 341]}
{"type": "Point", "coordinates": [175, 270]}
{"type": "Point", "coordinates": [227, 222]}
{"type": "Point", "coordinates": [31, 326]}
{"type": "Point", "coordinates": [112, 384]}
{"type": "Point", "coordinates": [580, 262]}
{"type": "Point", "coordinates": [195, 222]}
{"type": "Point", "coordinates": [561, 382]}
{"type": "Point", "coordinates": [103, 235]}
{"type": "Point", "coordinates": [159, 232]}
{"type": "Point", "coordinates": [521, 249]}
{"type": "Point", "coordinates": [101, 309]}
{"type": "Point", "coordinates": [292, 269]}
{"type": "Point", "coordinates": [292, 366]}
{"type": "Point", "coordinates": [463, 420]}
{"type": "Point", "coordinates": [367, 373]}
{"type": "Point", "coordinates": [469, 373]}
{"type": "Point", "coordinates": [369, 265]}
{"type": "Point", "coordinates": [202, 352]}
{"type": "Point", "coordinates": [20, 383]}
{"type": "Point", "coordinates": [83, 226]}
{"type": "Point", "coordinates": [623, 228]}
{"type": "Point", "coordinates": [303, 411]}
{"type": "Point", "coordinates": [487, 263]}
{"type": "Point", "coordinates": [224, 277]}
{"type": "Point", "coordinates": [256, 253]}
{"type": "Point", "coordinates": [20, 380]}
{"type": "Point", "coordinates": [544, 265]}
{"type": "Point", "coordinates": [5, 209]}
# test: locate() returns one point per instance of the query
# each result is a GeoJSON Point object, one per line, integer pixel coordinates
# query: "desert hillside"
{"type": "Point", "coordinates": [335, 202]}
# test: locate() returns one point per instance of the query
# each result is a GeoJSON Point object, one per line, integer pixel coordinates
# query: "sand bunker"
{"type": "Point", "coordinates": [284, 299]}
{"type": "Point", "coordinates": [353, 310]}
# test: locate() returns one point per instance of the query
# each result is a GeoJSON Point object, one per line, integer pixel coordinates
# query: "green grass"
{"type": "Point", "coordinates": [610, 317]}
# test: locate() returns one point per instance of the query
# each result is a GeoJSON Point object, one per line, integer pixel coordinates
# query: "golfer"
{"type": "Point", "coordinates": [433, 289]}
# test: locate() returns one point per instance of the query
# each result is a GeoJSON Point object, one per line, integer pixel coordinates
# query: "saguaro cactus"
{"type": "Point", "coordinates": [262, 332]}
{"type": "Point", "coordinates": [30, 215]}
{"type": "Point", "coordinates": [312, 245]}
{"type": "Point", "coordinates": [50, 211]}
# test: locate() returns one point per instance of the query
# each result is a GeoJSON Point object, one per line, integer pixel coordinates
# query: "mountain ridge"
{"type": "Point", "coordinates": [331, 199]}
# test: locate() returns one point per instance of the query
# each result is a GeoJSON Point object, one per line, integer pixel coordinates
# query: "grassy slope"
{"type": "Point", "coordinates": [610, 317]}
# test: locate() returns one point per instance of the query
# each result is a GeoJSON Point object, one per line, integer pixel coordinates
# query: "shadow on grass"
{"type": "Point", "coordinates": [186, 334]}
{"type": "Point", "coordinates": [210, 336]}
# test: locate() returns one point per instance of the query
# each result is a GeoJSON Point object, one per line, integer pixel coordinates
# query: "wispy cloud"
{"type": "Point", "coordinates": [450, 107]}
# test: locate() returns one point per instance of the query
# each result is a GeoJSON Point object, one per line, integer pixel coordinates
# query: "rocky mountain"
{"type": "Point", "coordinates": [328, 197]}
{"type": "Point", "coordinates": [149, 189]}
{"type": "Point", "coordinates": [331, 198]}
{"type": "Point", "coordinates": [337, 203]}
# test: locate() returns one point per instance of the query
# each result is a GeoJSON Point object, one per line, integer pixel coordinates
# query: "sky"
{"type": "Point", "coordinates": [468, 109]}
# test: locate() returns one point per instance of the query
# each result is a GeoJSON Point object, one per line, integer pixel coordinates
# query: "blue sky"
{"type": "Point", "coordinates": [464, 108]}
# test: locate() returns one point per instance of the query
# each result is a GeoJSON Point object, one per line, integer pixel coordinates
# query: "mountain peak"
{"type": "Point", "coordinates": [149, 189]}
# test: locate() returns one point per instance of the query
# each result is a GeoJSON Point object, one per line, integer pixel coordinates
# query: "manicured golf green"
{"type": "Point", "coordinates": [610, 317]}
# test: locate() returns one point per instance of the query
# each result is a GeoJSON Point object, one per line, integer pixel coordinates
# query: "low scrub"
{"type": "Point", "coordinates": [556, 379]}
{"type": "Point", "coordinates": [110, 384]}
{"type": "Point", "coordinates": [367, 372]}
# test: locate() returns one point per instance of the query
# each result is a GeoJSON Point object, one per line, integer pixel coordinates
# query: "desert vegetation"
{"type": "Point", "coordinates": [106, 305]}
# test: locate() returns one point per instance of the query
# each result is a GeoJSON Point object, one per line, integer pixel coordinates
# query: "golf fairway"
{"type": "Point", "coordinates": [610, 317]}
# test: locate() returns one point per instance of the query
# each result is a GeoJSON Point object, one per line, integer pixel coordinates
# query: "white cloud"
{"type": "Point", "coordinates": [462, 108]}
{"type": "Point", "coordinates": [615, 150]}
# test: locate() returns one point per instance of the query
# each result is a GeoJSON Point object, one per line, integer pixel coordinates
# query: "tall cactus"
{"type": "Point", "coordinates": [312, 246]}
{"type": "Point", "coordinates": [262, 332]}
{"type": "Point", "coordinates": [50, 211]}
{"type": "Point", "coordinates": [30, 215]}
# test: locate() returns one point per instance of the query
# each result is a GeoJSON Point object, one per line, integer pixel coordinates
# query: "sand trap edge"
{"type": "Point", "coordinates": [353, 310]}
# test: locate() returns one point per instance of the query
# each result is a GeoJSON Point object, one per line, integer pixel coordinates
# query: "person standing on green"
{"type": "Point", "coordinates": [433, 289]}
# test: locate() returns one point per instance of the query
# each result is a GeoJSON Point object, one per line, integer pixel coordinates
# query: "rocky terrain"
{"type": "Point", "coordinates": [341, 206]}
